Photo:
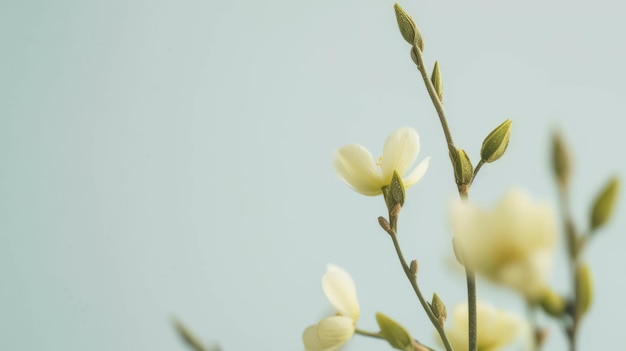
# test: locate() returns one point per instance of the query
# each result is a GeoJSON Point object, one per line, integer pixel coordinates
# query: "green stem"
{"type": "Point", "coordinates": [471, 303]}
{"type": "Point", "coordinates": [463, 192]}
{"type": "Point", "coordinates": [435, 99]}
{"type": "Point", "coordinates": [413, 280]}
{"type": "Point", "coordinates": [368, 333]}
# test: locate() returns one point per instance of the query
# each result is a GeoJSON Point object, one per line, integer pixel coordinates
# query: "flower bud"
{"type": "Point", "coordinates": [413, 267]}
{"type": "Point", "coordinates": [393, 332]}
{"type": "Point", "coordinates": [552, 303]}
{"type": "Point", "coordinates": [463, 169]}
{"type": "Point", "coordinates": [604, 204]}
{"type": "Point", "coordinates": [439, 308]}
{"type": "Point", "coordinates": [561, 161]}
{"type": "Point", "coordinates": [584, 289]}
{"type": "Point", "coordinates": [435, 78]}
{"type": "Point", "coordinates": [496, 142]}
{"type": "Point", "coordinates": [395, 192]}
{"type": "Point", "coordinates": [408, 29]}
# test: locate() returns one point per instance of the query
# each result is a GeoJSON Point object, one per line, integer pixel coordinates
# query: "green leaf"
{"type": "Point", "coordinates": [561, 161]}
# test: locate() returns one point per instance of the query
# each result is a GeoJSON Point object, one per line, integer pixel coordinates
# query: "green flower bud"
{"type": "Point", "coordinates": [393, 332]}
{"type": "Point", "coordinates": [408, 29]}
{"type": "Point", "coordinates": [435, 78]}
{"type": "Point", "coordinates": [439, 308]}
{"type": "Point", "coordinates": [604, 204]}
{"type": "Point", "coordinates": [552, 303]}
{"type": "Point", "coordinates": [561, 161]}
{"type": "Point", "coordinates": [463, 169]}
{"type": "Point", "coordinates": [584, 289]}
{"type": "Point", "coordinates": [496, 142]}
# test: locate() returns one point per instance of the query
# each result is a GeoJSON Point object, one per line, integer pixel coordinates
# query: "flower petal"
{"type": "Point", "coordinates": [417, 173]}
{"type": "Point", "coordinates": [340, 291]}
{"type": "Point", "coordinates": [310, 339]}
{"type": "Point", "coordinates": [399, 152]}
{"type": "Point", "coordinates": [333, 332]}
{"type": "Point", "coordinates": [357, 168]}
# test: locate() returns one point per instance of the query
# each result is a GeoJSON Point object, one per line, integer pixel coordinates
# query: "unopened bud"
{"type": "Point", "coordinates": [463, 169]}
{"type": "Point", "coordinates": [393, 332]}
{"type": "Point", "coordinates": [584, 289]}
{"type": "Point", "coordinates": [413, 267]}
{"type": "Point", "coordinates": [552, 303]}
{"type": "Point", "coordinates": [604, 204]}
{"type": "Point", "coordinates": [439, 308]}
{"type": "Point", "coordinates": [561, 160]}
{"type": "Point", "coordinates": [408, 29]}
{"type": "Point", "coordinates": [435, 78]}
{"type": "Point", "coordinates": [384, 223]}
{"type": "Point", "coordinates": [496, 142]}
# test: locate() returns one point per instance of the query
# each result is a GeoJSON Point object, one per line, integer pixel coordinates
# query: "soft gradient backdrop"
{"type": "Point", "coordinates": [174, 158]}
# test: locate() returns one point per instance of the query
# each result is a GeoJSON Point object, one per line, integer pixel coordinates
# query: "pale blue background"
{"type": "Point", "coordinates": [162, 158]}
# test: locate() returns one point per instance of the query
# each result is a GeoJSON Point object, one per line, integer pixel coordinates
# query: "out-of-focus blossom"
{"type": "Point", "coordinates": [496, 328]}
{"type": "Point", "coordinates": [355, 165]}
{"type": "Point", "coordinates": [333, 332]}
{"type": "Point", "coordinates": [511, 244]}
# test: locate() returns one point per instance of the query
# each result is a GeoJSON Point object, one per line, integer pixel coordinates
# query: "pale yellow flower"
{"type": "Point", "coordinates": [355, 164]}
{"type": "Point", "coordinates": [332, 333]}
{"type": "Point", "coordinates": [496, 328]}
{"type": "Point", "coordinates": [511, 244]}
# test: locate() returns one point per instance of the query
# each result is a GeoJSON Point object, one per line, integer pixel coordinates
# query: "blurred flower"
{"type": "Point", "coordinates": [355, 164]}
{"type": "Point", "coordinates": [511, 244]}
{"type": "Point", "coordinates": [496, 328]}
{"type": "Point", "coordinates": [332, 332]}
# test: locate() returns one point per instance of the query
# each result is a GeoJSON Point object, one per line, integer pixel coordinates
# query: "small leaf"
{"type": "Point", "coordinates": [496, 142]}
{"type": "Point", "coordinates": [435, 78]}
{"type": "Point", "coordinates": [393, 332]}
{"type": "Point", "coordinates": [604, 204]}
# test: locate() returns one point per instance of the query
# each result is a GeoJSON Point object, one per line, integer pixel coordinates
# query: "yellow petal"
{"type": "Point", "coordinates": [335, 331]}
{"type": "Point", "coordinates": [417, 173]}
{"type": "Point", "coordinates": [340, 291]}
{"type": "Point", "coordinates": [399, 152]}
{"type": "Point", "coordinates": [355, 166]}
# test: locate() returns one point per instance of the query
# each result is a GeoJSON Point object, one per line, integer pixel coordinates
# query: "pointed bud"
{"type": "Point", "coordinates": [408, 29]}
{"type": "Point", "coordinates": [188, 337]}
{"type": "Point", "coordinates": [393, 332]}
{"type": "Point", "coordinates": [395, 192]}
{"type": "Point", "coordinates": [435, 78]}
{"type": "Point", "coordinates": [584, 289]}
{"type": "Point", "coordinates": [561, 161]}
{"type": "Point", "coordinates": [439, 308]}
{"type": "Point", "coordinates": [604, 204]}
{"type": "Point", "coordinates": [384, 223]}
{"type": "Point", "coordinates": [463, 169]}
{"type": "Point", "coordinates": [552, 303]}
{"type": "Point", "coordinates": [413, 267]}
{"type": "Point", "coordinates": [496, 142]}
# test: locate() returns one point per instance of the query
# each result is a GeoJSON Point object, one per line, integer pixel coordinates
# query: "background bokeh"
{"type": "Point", "coordinates": [174, 158]}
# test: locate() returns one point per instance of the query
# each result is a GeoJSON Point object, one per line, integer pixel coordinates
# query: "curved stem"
{"type": "Point", "coordinates": [463, 192]}
{"type": "Point", "coordinates": [412, 279]}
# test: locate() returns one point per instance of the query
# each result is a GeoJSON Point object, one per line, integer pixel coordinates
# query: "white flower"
{"type": "Point", "coordinates": [511, 244]}
{"type": "Point", "coordinates": [495, 328]}
{"type": "Point", "coordinates": [355, 164]}
{"type": "Point", "coordinates": [332, 332]}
